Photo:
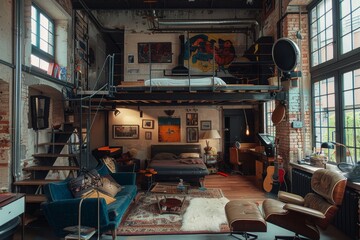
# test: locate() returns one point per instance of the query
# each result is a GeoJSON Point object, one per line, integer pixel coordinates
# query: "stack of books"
{"type": "Point", "coordinates": [85, 232]}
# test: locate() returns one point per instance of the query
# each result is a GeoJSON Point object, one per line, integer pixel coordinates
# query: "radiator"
{"type": "Point", "coordinates": [347, 218]}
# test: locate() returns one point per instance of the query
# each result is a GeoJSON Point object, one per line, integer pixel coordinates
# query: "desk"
{"type": "Point", "coordinates": [11, 208]}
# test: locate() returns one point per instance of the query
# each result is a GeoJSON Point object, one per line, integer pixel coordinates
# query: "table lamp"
{"type": "Point", "coordinates": [210, 134]}
{"type": "Point", "coordinates": [344, 166]}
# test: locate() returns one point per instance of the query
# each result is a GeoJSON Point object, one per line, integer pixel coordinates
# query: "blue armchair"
{"type": "Point", "coordinates": [61, 208]}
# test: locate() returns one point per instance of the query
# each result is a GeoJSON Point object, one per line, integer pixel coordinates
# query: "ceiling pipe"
{"type": "Point", "coordinates": [178, 22]}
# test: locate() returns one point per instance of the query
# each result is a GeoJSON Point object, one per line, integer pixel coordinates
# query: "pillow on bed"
{"type": "Point", "coordinates": [164, 156]}
{"type": "Point", "coordinates": [189, 155]}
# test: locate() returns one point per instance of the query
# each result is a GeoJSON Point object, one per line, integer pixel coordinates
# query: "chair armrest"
{"type": "Point", "coordinates": [124, 178]}
{"type": "Point", "coordinates": [290, 198]}
{"type": "Point", "coordinates": [304, 210]}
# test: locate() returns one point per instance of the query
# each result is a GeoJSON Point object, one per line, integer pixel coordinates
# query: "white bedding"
{"type": "Point", "coordinates": [206, 81]}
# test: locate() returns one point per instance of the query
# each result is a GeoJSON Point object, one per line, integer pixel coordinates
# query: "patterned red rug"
{"type": "Point", "coordinates": [144, 218]}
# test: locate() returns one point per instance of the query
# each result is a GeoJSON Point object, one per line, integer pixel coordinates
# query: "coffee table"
{"type": "Point", "coordinates": [169, 188]}
{"type": "Point", "coordinates": [171, 205]}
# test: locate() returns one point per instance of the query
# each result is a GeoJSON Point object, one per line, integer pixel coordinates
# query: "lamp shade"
{"type": "Point", "coordinates": [329, 145]}
{"type": "Point", "coordinates": [211, 134]}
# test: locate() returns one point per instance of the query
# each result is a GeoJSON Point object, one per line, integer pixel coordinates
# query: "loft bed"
{"type": "Point", "coordinates": [198, 91]}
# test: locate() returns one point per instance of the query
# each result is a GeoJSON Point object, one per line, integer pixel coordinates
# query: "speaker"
{"type": "Point", "coordinates": [286, 54]}
{"type": "Point", "coordinates": [39, 106]}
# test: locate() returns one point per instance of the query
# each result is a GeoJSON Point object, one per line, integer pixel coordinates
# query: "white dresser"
{"type": "Point", "coordinates": [12, 206]}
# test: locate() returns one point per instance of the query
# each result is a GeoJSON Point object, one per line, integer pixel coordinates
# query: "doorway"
{"type": "Point", "coordinates": [235, 128]}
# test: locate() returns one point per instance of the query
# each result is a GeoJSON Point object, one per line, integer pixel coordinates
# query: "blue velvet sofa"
{"type": "Point", "coordinates": [61, 208]}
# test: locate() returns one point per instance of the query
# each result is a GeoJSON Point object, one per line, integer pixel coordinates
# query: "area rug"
{"type": "Point", "coordinates": [202, 212]}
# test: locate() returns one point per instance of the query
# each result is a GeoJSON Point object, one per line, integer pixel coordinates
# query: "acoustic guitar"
{"type": "Point", "coordinates": [275, 176]}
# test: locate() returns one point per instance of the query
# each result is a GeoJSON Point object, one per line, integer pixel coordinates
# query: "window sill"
{"type": "Point", "coordinates": [311, 169]}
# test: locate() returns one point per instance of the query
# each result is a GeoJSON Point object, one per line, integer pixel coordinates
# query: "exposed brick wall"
{"type": "Point", "coordinates": [4, 135]}
{"type": "Point", "coordinates": [292, 145]}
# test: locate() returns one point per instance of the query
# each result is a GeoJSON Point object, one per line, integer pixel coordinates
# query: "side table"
{"type": "Point", "coordinates": [211, 163]}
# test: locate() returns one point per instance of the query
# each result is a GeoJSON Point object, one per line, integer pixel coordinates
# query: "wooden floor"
{"type": "Point", "coordinates": [237, 187]}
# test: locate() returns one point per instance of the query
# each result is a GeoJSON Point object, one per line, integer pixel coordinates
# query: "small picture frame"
{"type": "Point", "coordinates": [148, 124]}
{"type": "Point", "coordinates": [205, 125]}
{"type": "Point", "coordinates": [131, 58]}
{"type": "Point", "coordinates": [148, 135]}
{"type": "Point", "coordinates": [192, 134]}
{"type": "Point", "coordinates": [126, 131]}
{"type": "Point", "coordinates": [192, 119]}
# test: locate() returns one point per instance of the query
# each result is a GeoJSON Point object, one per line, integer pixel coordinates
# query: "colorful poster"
{"type": "Point", "coordinates": [202, 49]}
{"type": "Point", "coordinates": [169, 129]}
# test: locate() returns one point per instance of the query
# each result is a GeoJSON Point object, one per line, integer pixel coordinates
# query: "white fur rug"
{"type": "Point", "coordinates": [204, 214]}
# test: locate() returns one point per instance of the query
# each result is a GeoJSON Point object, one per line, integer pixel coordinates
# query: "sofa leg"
{"type": "Point", "coordinates": [113, 233]}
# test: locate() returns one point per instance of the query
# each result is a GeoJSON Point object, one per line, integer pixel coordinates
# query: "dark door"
{"type": "Point", "coordinates": [235, 128]}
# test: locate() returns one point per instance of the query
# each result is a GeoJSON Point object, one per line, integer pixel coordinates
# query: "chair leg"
{"type": "Point", "coordinates": [113, 234]}
{"type": "Point", "coordinates": [245, 235]}
{"type": "Point", "coordinates": [296, 237]}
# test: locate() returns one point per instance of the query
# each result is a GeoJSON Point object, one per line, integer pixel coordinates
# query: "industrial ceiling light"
{"type": "Point", "coordinates": [116, 112]}
{"type": "Point", "coordinates": [247, 131]}
{"type": "Point", "coordinates": [141, 112]}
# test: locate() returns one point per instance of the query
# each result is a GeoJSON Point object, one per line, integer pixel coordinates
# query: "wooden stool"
{"type": "Point", "coordinates": [244, 216]}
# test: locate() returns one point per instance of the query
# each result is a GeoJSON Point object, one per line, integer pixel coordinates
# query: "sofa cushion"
{"type": "Point", "coordinates": [84, 183]}
{"type": "Point", "coordinates": [57, 191]}
{"type": "Point", "coordinates": [95, 194]}
{"type": "Point", "coordinates": [109, 186]}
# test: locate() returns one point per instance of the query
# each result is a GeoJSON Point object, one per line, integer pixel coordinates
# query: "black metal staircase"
{"type": "Point", "coordinates": [60, 138]}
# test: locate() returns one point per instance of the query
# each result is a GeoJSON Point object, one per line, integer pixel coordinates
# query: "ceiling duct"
{"type": "Point", "coordinates": [180, 22]}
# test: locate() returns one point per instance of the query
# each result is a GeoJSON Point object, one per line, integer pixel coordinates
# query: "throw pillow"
{"type": "Point", "coordinates": [164, 156]}
{"type": "Point", "coordinates": [94, 194]}
{"type": "Point", "coordinates": [110, 163]}
{"type": "Point", "coordinates": [189, 155]}
{"type": "Point", "coordinates": [109, 186]}
{"type": "Point", "coordinates": [84, 183]}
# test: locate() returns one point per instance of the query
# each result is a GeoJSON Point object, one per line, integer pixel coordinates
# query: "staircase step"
{"type": "Point", "coordinates": [40, 155]}
{"type": "Point", "coordinates": [62, 132]}
{"type": "Point", "coordinates": [35, 198]}
{"type": "Point", "coordinates": [58, 143]}
{"type": "Point", "coordinates": [48, 168]}
{"type": "Point", "coordinates": [35, 182]}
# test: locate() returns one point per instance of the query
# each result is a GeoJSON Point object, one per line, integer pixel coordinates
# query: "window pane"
{"type": "Point", "coordinates": [346, 43]}
{"type": "Point", "coordinates": [328, 5]}
{"type": "Point", "coordinates": [44, 65]}
{"type": "Point", "coordinates": [344, 8]}
{"type": "Point", "coordinates": [355, 4]}
{"type": "Point", "coordinates": [345, 25]}
{"type": "Point", "coordinates": [33, 39]}
{"type": "Point", "coordinates": [331, 116]}
{"type": "Point", "coordinates": [347, 81]}
{"type": "Point", "coordinates": [42, 37]}
{"type": "Point", "coordinates": [328, 19]}
{"type": "Point", "coordinates": [35, 60]}
{"type": "Point", "coordinates": [321, 8]}
{"type": "Point", "coordinates": [322, 33]}
{"type": "Point", "coordinates": [349, 26]}
{"type": "Point", "coordinates": [348, 98]}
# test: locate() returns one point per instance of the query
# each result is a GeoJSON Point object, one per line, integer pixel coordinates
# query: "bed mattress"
{"type": "Point", "coordinates": [206, 81]}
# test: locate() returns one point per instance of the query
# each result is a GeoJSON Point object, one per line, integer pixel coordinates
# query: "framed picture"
{"type": "Point", "coordinates": [192, 134]}
{"type": "Point", "coordinates": [191, 119]}
{"type": "Point", "coordinates": [148, 124]}
{"type": "Point", "coordinates": [126, 131]}
{"type": "Point", "coordinates": [148, 135]}
{"type": "Point", "coordinates": [205, 125]}
{"type": "Point", "coordinates": [169, 129]}
{"type": "Point", "coordinates": [160, 52]}
{"type": "Point", "coordinates": [130, 58]}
